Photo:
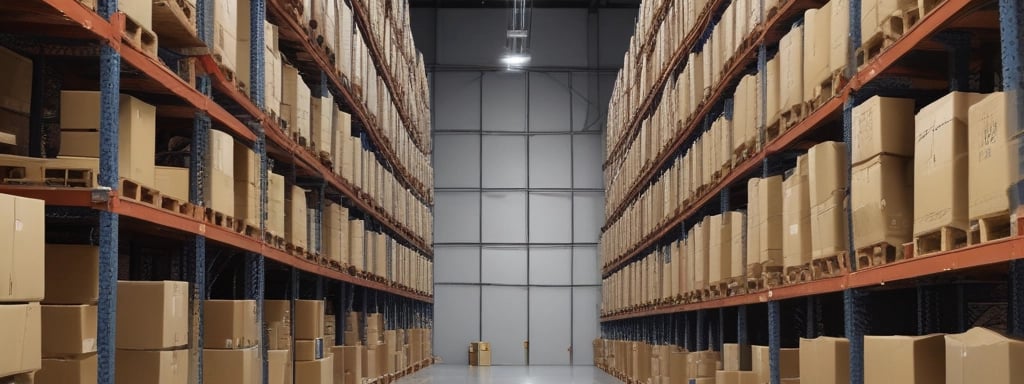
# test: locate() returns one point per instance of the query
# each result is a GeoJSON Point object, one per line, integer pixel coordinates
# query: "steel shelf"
{"type": "Point", "coordinates": [939, 18]}
{"type": "Point", "coordinates": [685, 47]}
{"type": "Point", "coordinates": [106, 200]}
{"type": "Point", "coordinates": [766, 33]}
{"type": "Point", "coordinates": [991, 253]}
{"type": "Point", "coordinates": [91, 24]}
{"type": "Point", "coordinates": [288, 25]}
{"type": "Point", "coordinates": [362, 20]}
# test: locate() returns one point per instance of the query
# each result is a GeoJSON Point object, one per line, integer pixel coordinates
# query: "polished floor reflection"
{"type": "Point", "coordinates": [456, 374]}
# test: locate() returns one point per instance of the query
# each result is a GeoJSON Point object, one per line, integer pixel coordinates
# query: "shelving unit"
{"type": "Point", "coordinates": [865, 298]}
{"type": "Point", "coordinates": [61, 30]}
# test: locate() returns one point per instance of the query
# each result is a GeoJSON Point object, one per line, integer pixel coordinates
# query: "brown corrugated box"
{"type": "Point", "coordinates": [347, 364]}
{"type": "Point", "coordinates": [720, 256]}
{"type": "Point", "coordinates": [295, 101]}
{"type": "Point", "coordinates": [296, 232]}
{"type": "Point", "coordinates": [701, 364]}
{"type": "Point", "coordinates": [21, 338]}
{"type": "Point", "coordinates": [817, 49]}
{"type": "Point", "coordinates": [738, 231]}
{"type": "Point", "coordinates": [940, 163]}
{"type": "Point", "coordinates": [839, 35]}
{"type": "Point", "coordinates": [828, 181]}
{"type": "Point", "coordinates": [791, 61]}
{"type": "Point", "coordinates": [220, 180]}
{"type": "Point", "coordinates": [275, 204]}
{"type": "Point", "coordinates": [16, 72]}
{"type": "Point", "coordinates": [677, 367]}
{"type": "Point", "coordinates": [904, 359]}
{"type": "Point", "coordinates": [735, 377]}
{"type": "Point", "coordinates": [989, 156]}
{"type": "Point", "coordinates": [155, 367]}
{"type": "Point", "coordinates": [880, 202]}
{"type": "Point", "coordinates": [279, 367]}
{"type": "Point", "coordinates": [79, 369]}
{"type": "Point", "coordinates": [356, 235]}
{"type": "Point", "coordinates": [789, 362]}
{"type": "Point", "coordinates": [68, 330]}
{"type": "Point", "coordinates": [315, 372]}
{"type": "Point", "coordinates": [80, 124]}
{"type": "Point", "coordinates": [772, 90]}
{"type": "Point", "coordinates": [883, 125]}
{"type": "Point", "coordinates": [825, 360]}
{"type": "Point", "coordinates": [172, 182]}
{"type": "Point", "coordinates": [72, 274]}
{"type": "Point", "coordinates": [309, 319]}
{"type": "Point", "coordinates": [702, 251]}
{"type": "Point", "coordinates": [230, 324]}
{"type": "Point", "coordinates": [796, 217]}
{"type": "Point", "coordinates": [764, 213]}
{"type": "Point", "coordinates": [309, 350]}
{"type": "Point", "coordinates": [152, 314]}
{"type": "Point", "coordinates": [246, 177]}
{"type": "Point", "coordinates": [983, 356]}
{"type": "Point", "coordinates": [735, 358]}
{"type": "Point", "coordinates": [321, 117]}
{"type": "Point", "coordinates": [232, 366]}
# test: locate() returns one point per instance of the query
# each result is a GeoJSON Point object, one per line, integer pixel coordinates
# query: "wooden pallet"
{"type": "Point", "coordinates": [773, 131]}
{"type": "Point", "coordinates": [798, 274]}
{"type": "Point", "coordinates": [926, 6]}
{"type": "Point", "coordinates": [139, 37]}
{"type": "Point", "coordinates": [186, 70]}
{"type": "Point", "coordinates": [175, 22]}
{"type": "Point", "coordinates": [878, 255]}
{"type": "Point", "coordinates": [993, 227]}
{"type": "Point", "coordinates": [828, 89]}
{"type": "Point", "coordinates": [180, 207]}
{"type": "Point", "coordinates": [744, 151]}
{"type": "Point", "coordinates": [132, 190]}
{"type": "Point", "coordinates": [65, 172]}
{"type": "Point", "coordinates": [900, 22]}
{"type": "Point", "coordinates": [872, 47]}
{"type": "Point", "coordinates": [942, 239]}
{"type": "Point", "coordinates": [295, 250]}
{"type": "Point", "coordinates": [794, 115]}
{"type": "Point", "coordinates": [829, 266]}
{"type": "Point", "coordinates": [273, 240]}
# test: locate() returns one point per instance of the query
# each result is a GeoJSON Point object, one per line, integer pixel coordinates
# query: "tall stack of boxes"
{"type": "Point", "coordinates": [374, 352]}
{"type": "Point", "coordinates": [277, 326]}
{"type": "Point", "coordinates": [231, 339]}
{"type": "Point", "coordinates": [989, 169]}
{"type": "Point", "coordinates": [828, 182]}
{"type": "Point", "coordinates": [881, 179]}
{"type": "Point", "coordinates": [796, 216]}
{"type": "Point", "coordinates": [69, 315]}
{"type": "Point", "coordinates": [22, 274]}
{"type": "Point", "coordinates": [297, 220]}
{"type": "Point", "coordinates": [246, 179]}
{"type": "Point", "coordinates": [764, 225]}
{"type": "Point", "coordinates": [311, 365]}
{"type": "Point", "coordinates": [220, 182]}
{"type": "Point", "coordinates": [348, 359]}
{"type": "Point", "coordinates": [152, 332]}
{"type": "Point", "coordinates": [80, 133]}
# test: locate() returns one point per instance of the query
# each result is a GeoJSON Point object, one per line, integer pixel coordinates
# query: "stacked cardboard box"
{"type": "Point", "coordinates": [225, 34]}
{"type": "Point", "coordinates": [15, 102]}
{"type": "Point", "coordinates": [764, 225]}
{"type": "Point", "coordinates": [940, 164]}
{"type": "Point", "coordinates": [220, 182]}
{"type": "Point", "coordinates": [330, 332]}
{"type": "Point", "coordinates": [296, 224]}
{"type": "Point", "coordinates": [311, 364]}
{"type": "Point", "coordinates": [22, 232]}
{"type": "Point", "coordinates": [276, 211]}
{"type": "Point", "coordinates": [277, 326]}
{"type": "Point", "coordinates": [356, 238]}
{"type": "Point", "coordinates": [172, 181]}
{"type": "Point", "coordinates": [789, 363]}
{"type": "Point", "coordinates": [335, 233]}
{"type": "Point", "coordinates": [374, 353]}
{"type": "Point", "coordinates": [80, 132]}
{"type": "Point", "coordinates": [348, 364]}
{"type": "Point", "coordinates": [152, 332]}
{"type": "Point", "coordinates": [69, 315]}
{"type": "Point", "coordinates": [796, 216]}
{"type": "Point", "coordinates": [882, 181]}
{"type": "Point", "coordinates": [983, 356]}
{"type": "Point", "coordinates": [827, 182]}
{"type": "Point", "coordinates": [825, 360]}
{"type": "Point", "coordinates": [295, 103]}
{"type": "Point", "coordinates": [246, 179]}
{"type": "Point", "coordinates": [701, 366]}
{"type": "Point", "coordinates": [231, 339]}
{"type": "Point", "coordinates": [904, 359]}
{"type": "Point", "coordinates": [272, 63]}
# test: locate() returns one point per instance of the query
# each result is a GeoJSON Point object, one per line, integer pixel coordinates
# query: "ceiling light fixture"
{"type": "Point", "coordinates": [515, 59]}
{"type": "Point", "coordinates": [517, 35]}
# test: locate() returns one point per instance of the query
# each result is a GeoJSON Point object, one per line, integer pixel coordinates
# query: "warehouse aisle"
{"type": "Point", "coordinates": [459, 374]}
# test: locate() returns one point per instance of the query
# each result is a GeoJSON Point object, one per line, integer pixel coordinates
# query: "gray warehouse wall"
{"type": "Point", "coordinates": [519, 199]}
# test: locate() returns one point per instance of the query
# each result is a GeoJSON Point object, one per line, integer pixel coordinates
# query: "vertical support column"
{"type": "Point", "coordinates": [257, 67]}
{"type": "Point", "coordinates": [774, 341]}
{"type": "Point", "coordinates": [856, 327]}
{"type": "Point", "coordinates": [339, 314]}
{"type": "Point", "coordinates": [1011, 16]}
{"type": "Point", "coordinates": [197, 247]}
{"type": "Point", "coordinates": [743, 338]}
{"type": "Point", "coordinates": [847, 138]}
{"type": "Point", "coordinates": [110, 89]}
{"type": "Point", "coordinates": [720, 330]}
{"type": "Point", "coordinates": [702, 339]}
{"type": "Point", "coordinates": [204, 25]}
{"type": "Point", "coordinates": [255, 281]}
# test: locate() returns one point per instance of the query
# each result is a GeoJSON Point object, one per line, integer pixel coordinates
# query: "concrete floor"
{"type": "Point", "coordinates": [460, 374]}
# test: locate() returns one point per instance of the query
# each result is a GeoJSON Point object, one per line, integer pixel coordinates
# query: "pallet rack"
{"type": "Point", "coordinates": [758, 316]}
{"type": "Point", "coordinates": [53, 28]}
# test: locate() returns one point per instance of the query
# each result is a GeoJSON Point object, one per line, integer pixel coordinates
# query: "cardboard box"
{"type": "Point", "coordinates": [348, 364]}
{"type": "Point", "coordinates": [296, 232]}
{"type": "Point", "coordinates": [356, 233]}
{"type": "Point", "coordinates": [154, 367]}
{"type": "Point", "coordinates": [16, 74]}
{"type": "Point", "coordinates": [989, 172]}
{"type": "Point", "coordinates": [275, 204]}
{"type": "Point", "coordinates": [883, 125]}
{"type": "Point", "coordinates": [735, 358]}
{"type": "Point", "coordinates": [21, 337]}
{"type": "Point", "coordinates": [278, 335]}
{"type": "Point", "coordinates": [225, 33]}
{"type": "Point", "coordinates": [321, 117]}
{"type": "Point", "coordinates": [904, 359]}
{"type": "Point", "coordinates": [279, 367]}
{"type": "Point", "coordinates": [72, 274]}
{"type": "Point", "coordinates": [789, 362]}
{"type": "Point", "coordinates": [80, 136]}
{"type": "Point", "coordinates": [152, 314]}
{"type": "Point", "coordinates": [272, 77]}
{"type": "Point", "coordinates": [735, 377]}
{"type": "Point", "coordinates": [79, 369]}
{"type": "Point", "coordinates": [309, 350]}
{"type": "Point", "coordinates": [839, 35]}
{"type": "Point", "coordinates": [230, 324]}
{"type": "Point", "coordinates": [295, 103]}
{"type": "Point", "coordinates": [243, 46]}
{"type": "Point", "coordinates": [940, 163]}
{"type": "Point", "coordinates": [315, 372]}
{"type": "Point", "coordinates": [817, 49]}
{"type": "Point", "coordinates": [791, 85]}
{"type": "Point", "coordinates": [738, 262]}
{"type": "Point", "coordinates": [825, 360]}
{"type": "Point", "coordinates": [232, 366]}
{"type": "Point", "coordinates": [172, 182]}
{"type": "Point", "coordinates": [880, 202]}
{"type": "Point", "coordinates": [220, 181]}
{"type": "Point", "coordinates": [773, 91]}
{"type": "Point", "coordinates": [68, 330]}
{"type": "Point", "coordinates": [764, 221]}
{"type": "Point", "coordinates": [720, 256]}
{"type": "Point", "coordinates": [702, 364]}
{"type": "Point", "coordinates": [371, 363]}
{"type": "Point", "coordinates": [309, 319]}
{"type": "Point", "coordinates": [246, 179]}
{"type": "Point", "coordinates": [22, 234]}
{"type": "Point", "coordinates": [983, 356]}
{"type": "Point", "coordinates": [677, 367]}
{"type": "Point", "coordinates": [141, 11]}
{"type": "Point", "coordinates": [796, 217]}
{"type": "Point", "coordinates": [826, 163]}
{"type": "Point", "coordinates": [14, 133]}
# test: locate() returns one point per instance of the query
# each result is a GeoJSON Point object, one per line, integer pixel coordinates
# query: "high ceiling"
{"type": "Point", "coordinates": [536, 3]}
